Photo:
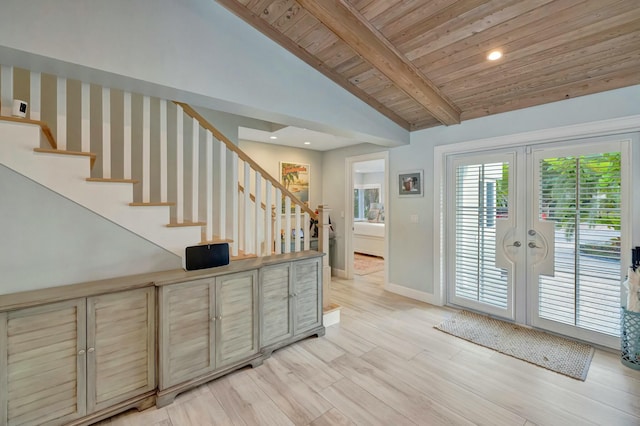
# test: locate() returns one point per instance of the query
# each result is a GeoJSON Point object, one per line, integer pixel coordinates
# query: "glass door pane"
{"type": "Point", "coordinates": [581, 196]}
{"type": "Point", "coordinates": [481, 200]}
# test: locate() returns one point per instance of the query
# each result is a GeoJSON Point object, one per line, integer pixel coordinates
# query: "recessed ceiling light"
{"type": "Point", "coordinates": [307, 143]}
{"type": "Point", "coordinates": [494, 55]}
{"type": "Point", "coordinates": [273, 137]}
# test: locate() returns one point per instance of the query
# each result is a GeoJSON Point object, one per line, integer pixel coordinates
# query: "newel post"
{"type": "Point", "coordinates": [323, 246]}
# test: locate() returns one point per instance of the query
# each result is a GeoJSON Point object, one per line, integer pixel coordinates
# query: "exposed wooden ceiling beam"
{"type": "Point", "coordinates": [263, 26]}
{"type": "Point", "coordinates": [348, 24]}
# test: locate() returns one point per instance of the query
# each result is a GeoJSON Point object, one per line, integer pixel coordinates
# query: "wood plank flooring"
{"type": "Point", "coordinates": [385, 364]}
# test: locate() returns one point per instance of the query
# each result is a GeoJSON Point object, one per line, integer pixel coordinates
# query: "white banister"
{"type": "Point", "coordinates": [268, 238]}
{"type": "Point", "coordinates": [222, 189]}
{"type": "Point", "coordinates": [258, 213]}
{"type": "Point", "coordinates": [277, 232]}
{"type": "Point", "coordinates": [179, 164]}
{"type": "Point", "coordinates": [307, 231]}
{"type": "Point", "coordinates": [163, 151]}
{"type": "Point", "coordinates": [209, 186]}
{"type": "Point", "coordinates": [35, 94]}
{"type": "Point", "coordinates": [106, 133]}
{"type": "Point", "coordinates": [126, 135]}
{"type": "Point", "coordinates": [296, 243]}
{"type": "Point", "coordinates": [247, 207]}
{"type": "Point", "coordinates": [85, 118]}
{"type": "Point", "coordinates": [146, 149]}
{"type": "Point", "coordinates": [6, 90]}
{"type": "Point", "coordinates": [287, 225]}
{"type": "Point", "coordinates": [61, 113]}
{"type": "Point", "coordinates": [235, 217]}
{"type": "Point", "coordinates": [195, 168]}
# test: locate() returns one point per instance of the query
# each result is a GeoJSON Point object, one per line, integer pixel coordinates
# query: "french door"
{"type": "Point", "coordinates": [537, 234]}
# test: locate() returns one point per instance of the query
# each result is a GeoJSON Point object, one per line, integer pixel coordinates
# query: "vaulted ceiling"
{"type": "Point", "coordinates": [424, 63]}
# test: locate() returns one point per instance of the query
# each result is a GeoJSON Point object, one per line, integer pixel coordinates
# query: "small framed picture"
{"type": "Point", "coordinates": [410, 183]}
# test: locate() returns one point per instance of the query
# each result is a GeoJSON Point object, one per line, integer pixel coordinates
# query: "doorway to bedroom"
{"type": "Point", "coordinates": [366, 207]}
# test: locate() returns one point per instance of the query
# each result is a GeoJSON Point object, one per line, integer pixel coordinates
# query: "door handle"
{"type": "Point", "coordinates": [515, 244]}
{"type": "Point", "coordinates": [532, 244]}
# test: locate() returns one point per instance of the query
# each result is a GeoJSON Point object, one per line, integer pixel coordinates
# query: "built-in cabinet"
{"type": "Point", "coordinates": [78, 354]}
{"type": "Point", "coordinates": [63, 361]}
{"type": "Point", "coordinates": [291, 302]}
{"type": "Point", "coordinates": [205, 326]}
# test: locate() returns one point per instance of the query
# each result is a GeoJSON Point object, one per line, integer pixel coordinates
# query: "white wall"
{"type": "Point", "coordinates": [411, 252]}
{"type": "Point", "coordinates": [48, 241]}
{"type": "Point", "coordinates": [268, 156]}
{"type": "Point", "coordinates": [191, 50]}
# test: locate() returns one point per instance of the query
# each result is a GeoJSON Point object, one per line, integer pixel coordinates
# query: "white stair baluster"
{"type": "Point", "coordinates": [247, 208]}
{"type": "Point", "coordinates": [61, 113]}
{"type": "Point", "coordinates": [35, 94]}
{"type": "Point", "coordinates": [106, 132]}
{"type": "Point", "coordinates": [297, 228]}
{"type": "Point", "coordinates": [126, 135]}
{"type": "Point", "coordinates": [235, 216]}
{"type": "Point", "coordinates": [258, 214]}
{"type": "Point", "coordinates": [6, 90]}
{"type": "Point", "coordinates": [163, 151]}
{"type": "Point", "coordinates": [146, 149]}
{"type": "Point", "coordinates": [287, 224]}
{"type": "Point", "coordinates": [222, 190]}
{"type": "Point", "coordinates": [209, 186]}
{"type": "Point", "coordinates": [307, 233]}
{"type": "Point", "coordinates": [277, 234]}
{"type": "Point", "coordinates": [179, 164]}
{"type": "Point", "coordinates": [85, 118]}
{"type": "Point", "coordinates": [268, 236]}
{"type": "Point", "coordinates": [195, 168]}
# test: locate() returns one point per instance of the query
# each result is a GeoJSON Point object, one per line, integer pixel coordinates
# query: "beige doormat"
{"type": "Point", "coordinates": [546, 350]}
{"type": "Point", "coordinates": [363, 264]}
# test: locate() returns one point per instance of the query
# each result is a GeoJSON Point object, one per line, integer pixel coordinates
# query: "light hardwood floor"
{"type": "Point", "coordinates": [385, 364]}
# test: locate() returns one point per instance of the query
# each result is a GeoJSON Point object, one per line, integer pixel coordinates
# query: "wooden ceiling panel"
{"type": "Point", "coordinates": [413, 60]}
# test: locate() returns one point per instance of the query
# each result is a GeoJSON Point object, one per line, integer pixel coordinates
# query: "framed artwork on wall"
{"type": "Point", "coordinates": [410, 183]}
{"type": "Point", "coordinates": [295, 177]}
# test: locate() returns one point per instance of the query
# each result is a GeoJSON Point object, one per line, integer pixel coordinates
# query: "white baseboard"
{"type": "Point", "coordinates": [339, 273]}
{"type": "Point", "coordinates": [411, 293]}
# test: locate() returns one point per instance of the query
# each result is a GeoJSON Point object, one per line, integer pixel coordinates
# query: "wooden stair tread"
{"type": "Point", "coordinates": [45, 128]}
{"type": "Point", "coordinates": [242, 255]}
{"type": "Point", "coordinates": [115, 180]}
{"type": "Point", "coordinates": [91, 155]}
{"type": "Point", "coordinates": [152, 204]}
{"type": "Point", "coordinates": [217, 240]}
{"type": "Point", "coordinates": [186, 223]}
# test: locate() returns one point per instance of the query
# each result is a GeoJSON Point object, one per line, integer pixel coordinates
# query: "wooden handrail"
{"type": "Point", "coordinates": [244, 157]}
{"type": "Point", "coordinates": [45, 128]}
{"type": "Point", "coordinates": [253, 197]}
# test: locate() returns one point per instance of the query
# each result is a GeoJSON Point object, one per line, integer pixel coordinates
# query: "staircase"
{"type": "Point", "coordinates": [153, 166]}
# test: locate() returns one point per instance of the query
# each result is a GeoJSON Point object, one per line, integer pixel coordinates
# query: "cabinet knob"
{"type": "Point", "coordinates": [219, 317]}
{"type": "Point", "coordinates": [81, 352]}
{"type": "Point", "coordinates": [91, 350]}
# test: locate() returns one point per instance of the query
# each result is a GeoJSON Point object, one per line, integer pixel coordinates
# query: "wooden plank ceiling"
{"type": "Point", "coordinates": [424, 63]}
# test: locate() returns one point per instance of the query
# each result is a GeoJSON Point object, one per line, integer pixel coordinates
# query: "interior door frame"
{"type": "Point", "coordinates": [348, 220]}
{"type": "Point", "coordinates": [556, 134]}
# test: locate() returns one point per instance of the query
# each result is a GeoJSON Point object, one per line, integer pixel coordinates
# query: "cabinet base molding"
{"type": "Point", "coordinates": [141, 402]}
{"type": "Point", "coordinates": [166, 396]}
{"type": "Point", "coordinates": [268, 350]}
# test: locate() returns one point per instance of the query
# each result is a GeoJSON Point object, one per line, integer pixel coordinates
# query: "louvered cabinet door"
{"type": "Point", "coordinates": [275, 297]}
{"type": "Point", "coordinates": [120, 347]}
{"type": "Point", "coordinates": [42, 375]}
{"type": "Point", "coordinates": [307, 295]}
{"type": "Point", "coordinates": [186, 331]}
{"type": "Point", "coordinates": [236, 325]}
